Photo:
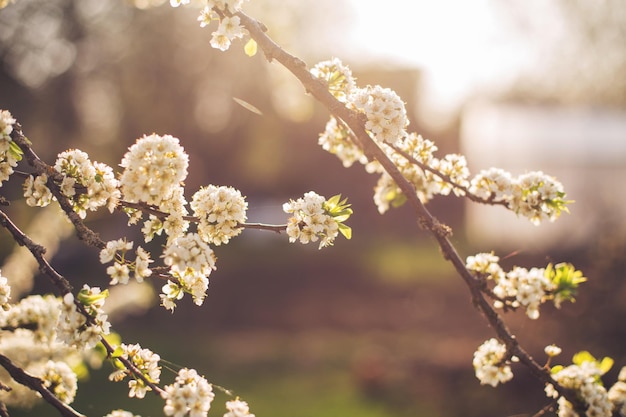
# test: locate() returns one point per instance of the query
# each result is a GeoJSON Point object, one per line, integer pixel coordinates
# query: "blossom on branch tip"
{"type": "Point", "coordinates": [491, 363]}
{"type": "Point", "coordinates": [534, 195]}
{"type": "Point", "coordinates": [238, 408]}
{"type": "Point", "coordinates": [121, 413]}
{"type": "Point", "coordinates": [315, 218]}
{"type": "Point", "coordinates": [189, 394]}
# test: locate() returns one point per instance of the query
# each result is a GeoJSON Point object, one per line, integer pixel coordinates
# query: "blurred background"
{"type": "Point", "coordinates": [378, 325]}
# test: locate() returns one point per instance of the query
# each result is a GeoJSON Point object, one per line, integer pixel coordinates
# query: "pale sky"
{"type": "Point", "coordinates": [460, 45]}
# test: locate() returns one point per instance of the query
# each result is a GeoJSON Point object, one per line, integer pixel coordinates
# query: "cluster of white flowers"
{"type": "Point", "coordinates": [59, 378]}
{"type": "Point", "coordinates": [5, 293]}
{"type": "Point", "coordinates": [191, 261]}
{"type": "Point", "coordinates": [427, 184]}
{"type": "Point", "coordinates": [119, 272]}
{"type": "Point", "coordinates": [310, 220]}
{"type": "Point", "coordinates": [121, 413]}
{"type": "Point", "coordinates": [89, 185]}
{"type": "Point", "coordinates": [341, 83]}
{"type": "Point", "coordinates": [229, 27]}
{"type": "Point", "coordinates": [491, 363]}
{"type": "Point", "coordinates": [336, 139]}
{"type": "Point", "coordinates": [8, 157]}
{"type": "Point", "coordinates": [515, 288]}
{"type": "Point", "coordinates": [238, 408]}
{"type": "Point", "coordinates": [36, 192]}
{"type": "Point", "coordinates": [74, 328]}
{"type": "Point", "coordinates": [534, 195]}
{"type": "Point", "coordinates": [189, 394]}
{"type": "Point", "coordinates": [146, 361]}
{"type": "Point", "coordinates": [32, 341]}
{"type": "Point", "coordinates": [584, 378]}
{"type": "Point", "coordinates": [220, 210]}
{"type": "Point", "coordinates": [154, 168]}
{"type": "Point", "coordinates": [40, 312]}
{"type": "Point", "coordinates": [386, 115]}
{"type": "Point", "coordinates": [617, 393]}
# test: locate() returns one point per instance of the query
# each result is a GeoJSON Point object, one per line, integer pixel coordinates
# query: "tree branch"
{"type": "Point", "coordinates": [87, 235]}
{"type": "Point", "coordinates": [356, 122]}
{"type": "Point", "coordinates": [36, 384]}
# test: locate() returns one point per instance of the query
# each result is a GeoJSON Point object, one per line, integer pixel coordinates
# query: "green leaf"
{"type": "Point", "coordinates": [345, 230]}
{"type": "Point", "coordinates": [606, 364]}
{"type": "Point", "coordinates": [250, 48]}
{"type": "Point", "coordinates": [16, 151]}
{"type": "Point", "coordinates": [87, 299]}
{"type": "Point", "coordinates": [582, 357]}
{"type": "Point", "coordinates": [556, 369]}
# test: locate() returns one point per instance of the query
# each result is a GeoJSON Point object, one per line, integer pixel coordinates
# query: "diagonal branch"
{"type": "Point", "coordinates": [356, 122]}
{"type": "Point", "coordinates": [87, 235]}
{"type": "Point", "coordinates": [36, 384]}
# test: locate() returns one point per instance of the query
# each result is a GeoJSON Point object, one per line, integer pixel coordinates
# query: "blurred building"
{"type": "Point", "coordinates": [583, 147]}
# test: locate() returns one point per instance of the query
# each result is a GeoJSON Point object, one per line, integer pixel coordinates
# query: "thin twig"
{"type": "Point", "coordinates": [153, 210]}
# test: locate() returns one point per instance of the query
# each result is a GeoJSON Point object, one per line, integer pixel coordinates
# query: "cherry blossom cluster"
{"type": "Point", "coordinates": [534, 195]}
{"type": "Point", "coordinates": [145, 361]}
{"type": "Point", "coordinates": [190, 261]}
{"type": "Point", "coordinates": [120, 271]}
{"type": "Point", "coordinates": [430, 176]}
{"type": "Point", "coordinates": [338, 76]}
{"type": "Point", "coordinates": [189, 394]}
{"type": "Point", "coordinates": [121, 413]}
{"type": "Point", "coordinates": [154, 169]}
{"type": "Point", "coordinates": [229, 26]}
{"type": "Point", "coordinates": [492, 363]}
{"type": "Point", "coordinates": [88, 185]}
{"type": "Point", "coordinates": [10, 154]}
{"type": "Point", "coordinates": [59, 378]}
{"type": "Point", "coordinates": [617, 393]}
{"type": "Point", "coordinates": [38, 312]}
{"type": "Point", "coordinates": [74, 328]}
{"type": "Point", "coordinates": [220, 212]}
{"type": "Point", "coordinates": [33, 341]}
{"type": "Point", "coordinates": [314, 217]}
{"type": "Point", "coordinates": [5, 292]}
{"type": "Point", "coordinates": [583, 376]}
{"type": "Point", "coordinates": [521, 287]}
{"type": "Point", "coordinates": [238, 408]}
